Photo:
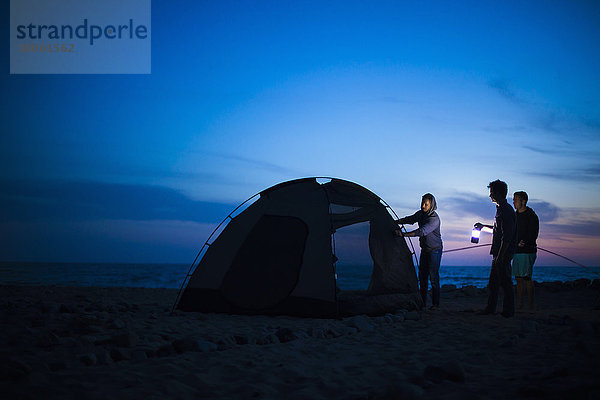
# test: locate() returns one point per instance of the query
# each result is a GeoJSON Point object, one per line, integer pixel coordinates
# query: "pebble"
{"type": "Point", "coordinates": [205, 346]}
{"type": "Point", "coordinates": [580, 327]}
{"type": "Point", "coordinates": [269, 339]}
{"type": "Point", "coordinates": [47, 308]}
{"type": "Point", "coordinates": [528, 326]}
{"type": "Point", "coordinates": [66, 309]}
{"type": "Point", "coordinates": [403, 390]}
{"type": "Point", "coordinates": [584, 348]}
{"type": "Point", "coordinates": [191, 344]}
{"type": "Point", "coordinates": [350, 330]}
{"type": "Point", "coordinates": [337, 331]}
{"type": "Point", "coordinates": [139, 355]}
{"type": "Point", "coordinates": [318, 332]}
{"type": "Point", "coordinates": [88, 359]}
{"type": "Point", "coordinates": [184, 345]}
{"type": "Point", "coordinates": [165, 350]}
{"type": "Point", "coordinates": [470, 290]}
{"type": "Point", "coordinates": [434, 374]}
{"type": "Point", "coordinates": [125, 339]}
{"type": "Point", "coordinates": [581, 283]}
{"type": "Point", "coordinates": [362, 323]}
{"type": "Point", "coordinates": [285, 335]}
{"type": "Point", "coordinates": [86, 323]}
{"type": "Point", "coordinates": [533, 391]}
{"type": "Point", "coordinates": [454, 371]}
{"type": "Point", "coordinates": [397, 317]}
{"type": "Point", "coordinates": [150, 352]}
{"type": "Point", "coordinates": [57, 365]}
{"type": "Point", "coordinates": [510, 342]}
{"type": "Point", "coordinates": [103, 357]}
{"type": "Point", "coordinates": [118, 354]}
{"type": "Point", "coordinates": [117, 323]}
{"type": "Point", "coordinates": [86, 340]}
{"type": "Point", "coordinates": [447, 287]}
{"type": "Point", "coordinates": [554, 286]}
{"type": "Point", "coordinates": [228, 341]}
{"type": "Point", "coordinates": [412, 316]}
{"type": "Point", "coordinates": [47, 340]}
{"type": "Point", "coordinates": [13, 370]}
{"type": "Point", "coordinates": [240, 339]}
{"type": "Point", "coordinates": [301, 334]}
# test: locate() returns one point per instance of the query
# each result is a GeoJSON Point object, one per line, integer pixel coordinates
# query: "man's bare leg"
{"type": "Point", "coordinates": [520, 290]}
{"type": "Point", "coordinates": [529, 285]}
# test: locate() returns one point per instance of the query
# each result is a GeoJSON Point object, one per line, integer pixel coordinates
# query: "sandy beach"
{"type": "Point", "coordinates": [124, 343]}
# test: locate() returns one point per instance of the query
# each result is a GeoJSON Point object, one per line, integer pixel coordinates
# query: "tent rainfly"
{"type": "Point", "coordinates": [276, 257]}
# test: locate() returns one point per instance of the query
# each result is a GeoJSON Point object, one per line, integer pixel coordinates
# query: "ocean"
{"type": "Point", "coordinates": [350, 277]}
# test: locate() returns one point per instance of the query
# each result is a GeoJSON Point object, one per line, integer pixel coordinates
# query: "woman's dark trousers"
{"type": "Point", "coordinates": [429, 269]}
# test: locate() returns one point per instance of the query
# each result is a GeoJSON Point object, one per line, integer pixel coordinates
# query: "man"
{"type": "Point", "coordinates": [504, 243]}
{"type": "Point", "coordinates": [528, 228]}
{"type": "Point", "coordinates": [430, 240]}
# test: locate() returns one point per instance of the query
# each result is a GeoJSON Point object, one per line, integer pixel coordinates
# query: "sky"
{"type": "Point", "coordinates": [403, 98]}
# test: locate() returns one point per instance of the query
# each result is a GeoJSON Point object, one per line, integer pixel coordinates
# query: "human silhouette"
{"type": "Point", "coordinates": [430, 240]}
{"type": "Point", "coordinates": [504, 243]}
{"type": "Point", "coordinates": [528, 228]}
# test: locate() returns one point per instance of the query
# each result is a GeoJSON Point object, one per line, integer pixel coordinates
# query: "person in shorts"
{"type": "Point", "coordinates": [528, 227]}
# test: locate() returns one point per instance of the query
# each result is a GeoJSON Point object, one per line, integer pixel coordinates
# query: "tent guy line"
{"type": "Point", "coordinates": [539, 248]}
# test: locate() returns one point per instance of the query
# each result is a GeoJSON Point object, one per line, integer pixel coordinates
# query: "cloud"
{"type": "Point", "coordinates": [561, 123]}
{"type": "Point", "coordinates": [89, 200]}
{"type": "Point", "coordinates": [588, 174]}
{"type": "Point", "coordinates": [521, 129]}
{"type": "Point", "coordinates": [546, 151]}
{"type": "Point", "coordinates": [256, 163]}
{"type": "Point", "coordinates": [586, 156]}
{"type": "Point", "coordinates": [578, 228]}
{"type": "Point", "coordinates": [566, 125]}
{"type": "Point", "coordinates": [468, 204]}
{"type": "Point", "coordinates": [546, 212]}
{"type": "Point", "coordinates": [573, 223]}
{"type": "Point", "coordinates": [473, 205]}
{"type": "Point", "coordinates": [592, 123]}
{"type": "Point", "coordinates": [593, 171]}
{"type": "Point", "coordinates": [584, 150]}
{"type": "Point", "coordinates": [502, 87]}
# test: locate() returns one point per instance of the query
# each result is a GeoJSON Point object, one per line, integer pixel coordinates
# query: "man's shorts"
{"type": "Point", "coordinates": [522, 264]}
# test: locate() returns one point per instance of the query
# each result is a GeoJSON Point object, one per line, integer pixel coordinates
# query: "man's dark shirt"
{"type": "Point", "coordinates": [528, 228]}
{"type": "Point", "coordinates": [505, 229]}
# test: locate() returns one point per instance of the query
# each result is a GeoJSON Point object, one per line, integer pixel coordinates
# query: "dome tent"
{"type": "Point", "coordinates": [276, 257]}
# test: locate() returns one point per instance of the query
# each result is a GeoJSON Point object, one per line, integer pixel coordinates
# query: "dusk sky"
{"type": "Point", "coordinates": [403, 98]}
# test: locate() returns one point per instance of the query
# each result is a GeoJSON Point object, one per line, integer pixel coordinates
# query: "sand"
{"type": "Point", "coordinates": [123, 343]}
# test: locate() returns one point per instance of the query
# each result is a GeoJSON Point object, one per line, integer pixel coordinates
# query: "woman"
{"type": "Point", "coordinates": [430, 240]}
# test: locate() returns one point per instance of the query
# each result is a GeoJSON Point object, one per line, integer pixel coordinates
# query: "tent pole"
{"type": "Point", "coordinates": [412, 248]}
{"type": "Point", "coordinates": [205, 247]}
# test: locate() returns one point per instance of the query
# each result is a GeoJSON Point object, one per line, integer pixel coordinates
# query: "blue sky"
{"type": "Point", "coordinates": [401, 97]}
